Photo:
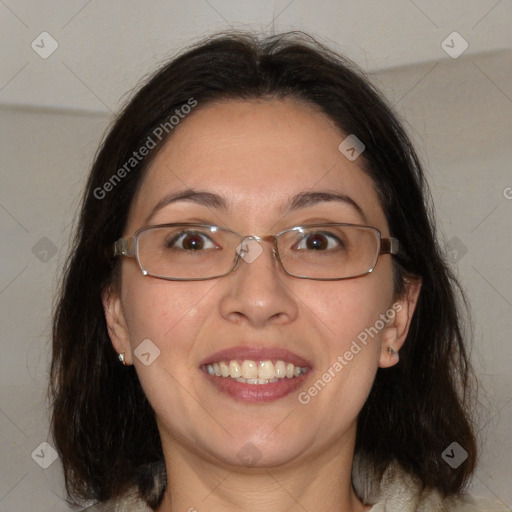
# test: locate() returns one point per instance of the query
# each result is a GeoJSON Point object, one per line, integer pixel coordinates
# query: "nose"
{"type": "Point", "coordinates": [258, 292]}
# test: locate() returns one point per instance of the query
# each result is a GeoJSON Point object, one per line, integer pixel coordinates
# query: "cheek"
{"type": "Point", "coordinates": [346, 310]}
{"type": "Point", "coordinates": [168, 313]}
{"type": "Point", "coordinates": [348, 315]}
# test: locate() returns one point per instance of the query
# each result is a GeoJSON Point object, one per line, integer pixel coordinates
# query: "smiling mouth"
{"type": "Point", "coordinates": [248, 371]}
{"type": "Point", "coordinates": [256, 374]}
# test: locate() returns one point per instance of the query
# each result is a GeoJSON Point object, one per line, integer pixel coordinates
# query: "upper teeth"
{"type": "Point", "coordinates": [255, 372]}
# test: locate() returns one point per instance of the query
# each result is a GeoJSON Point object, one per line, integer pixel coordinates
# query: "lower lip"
{"type": "Point", "coordinates": [256, 392]}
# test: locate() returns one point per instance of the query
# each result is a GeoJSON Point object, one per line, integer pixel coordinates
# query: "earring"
{"type": "Point", "coordinates": [121, 358]}
{"type": "Point", "coordinates": [391, 351]}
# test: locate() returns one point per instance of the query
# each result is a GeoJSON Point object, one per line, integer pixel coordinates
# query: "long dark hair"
{"type": "Point", "coordinates": [103, 426]}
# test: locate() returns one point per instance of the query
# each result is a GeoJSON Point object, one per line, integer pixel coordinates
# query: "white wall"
{"type": "Point", "coordinates": [461, 120]}
{"type": "Point", "coordinates": [459, 112]}
{"type": "Point", "coordinates": [104, 47]}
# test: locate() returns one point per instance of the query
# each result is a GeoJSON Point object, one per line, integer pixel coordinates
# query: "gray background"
{"type": "Point", "coordinates": [54, 111]}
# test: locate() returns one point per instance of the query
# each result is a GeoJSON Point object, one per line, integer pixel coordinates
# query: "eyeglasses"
{"type": "Point", "coordinates": [196, 252]}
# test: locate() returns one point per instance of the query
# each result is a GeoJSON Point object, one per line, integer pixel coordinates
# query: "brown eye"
{"type": "Point", "coordinates": [191, 241]}
{"type": "Point", "coordinates": [319, 242]}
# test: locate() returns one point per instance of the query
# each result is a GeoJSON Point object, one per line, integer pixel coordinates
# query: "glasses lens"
{"type": "Point", "coordinates": [187, 251]}
{"type": "Point", "coordinates": [329, 251]}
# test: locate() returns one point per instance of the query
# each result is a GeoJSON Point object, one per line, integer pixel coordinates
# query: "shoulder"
{"type": "Point", "coordinates": [397, 491]}
{"type": "Point", "coordinates": [400, 491]}
{"type": "Point", "coordinates": [129, 502]}
{"type": "Point", "coordinates": [153, 479]}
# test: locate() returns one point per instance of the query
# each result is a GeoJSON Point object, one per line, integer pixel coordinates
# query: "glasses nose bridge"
{"type": "Point", "coordinates": [265, 238]}
{"type": "Point", "coordinates": [242, 249]}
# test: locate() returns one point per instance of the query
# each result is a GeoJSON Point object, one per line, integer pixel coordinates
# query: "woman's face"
{"type": "Point", "coordinates": [256, 156]}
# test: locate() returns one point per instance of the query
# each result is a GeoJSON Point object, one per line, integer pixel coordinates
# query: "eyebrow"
{"type": "Point", "coordinates": [217, 202]}
{"type": "Point", "coordinates": [207, 199]}
{"type": "Point", "coordinates": [305, 199]}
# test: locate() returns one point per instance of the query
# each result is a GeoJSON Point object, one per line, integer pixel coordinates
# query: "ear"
{"type": "Point", "coordinates": [116, 323]}
{"type": "Point", "coordinates": [396, 331]}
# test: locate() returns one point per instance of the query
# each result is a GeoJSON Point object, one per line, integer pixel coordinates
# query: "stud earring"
{"type": "Point", "coordinates": [121, 358]}
{"type": "Point", "coordinates": [391, 351]}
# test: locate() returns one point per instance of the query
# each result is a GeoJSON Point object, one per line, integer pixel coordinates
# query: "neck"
{"type": "Point", "coordinates": [195, 484]}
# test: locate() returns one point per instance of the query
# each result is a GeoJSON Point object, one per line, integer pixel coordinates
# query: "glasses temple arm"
{"type": "Point", "coordinates": [125, 247]}
{"type": "Point", "coordinates": [389, 246]}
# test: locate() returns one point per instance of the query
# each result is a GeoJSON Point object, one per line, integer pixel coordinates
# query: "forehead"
{"type": "Point", "coordinates": [256, 155]}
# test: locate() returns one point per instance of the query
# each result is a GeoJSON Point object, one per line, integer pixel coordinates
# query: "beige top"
{"type": "Point", "coordinates": [396, 492]}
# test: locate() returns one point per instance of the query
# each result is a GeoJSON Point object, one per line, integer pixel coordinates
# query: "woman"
{"type": "Point", "coordinates": [256, 314]}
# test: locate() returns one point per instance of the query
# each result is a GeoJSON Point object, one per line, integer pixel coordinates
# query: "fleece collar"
{"type": "Point", "coordinates": [397, 491]}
